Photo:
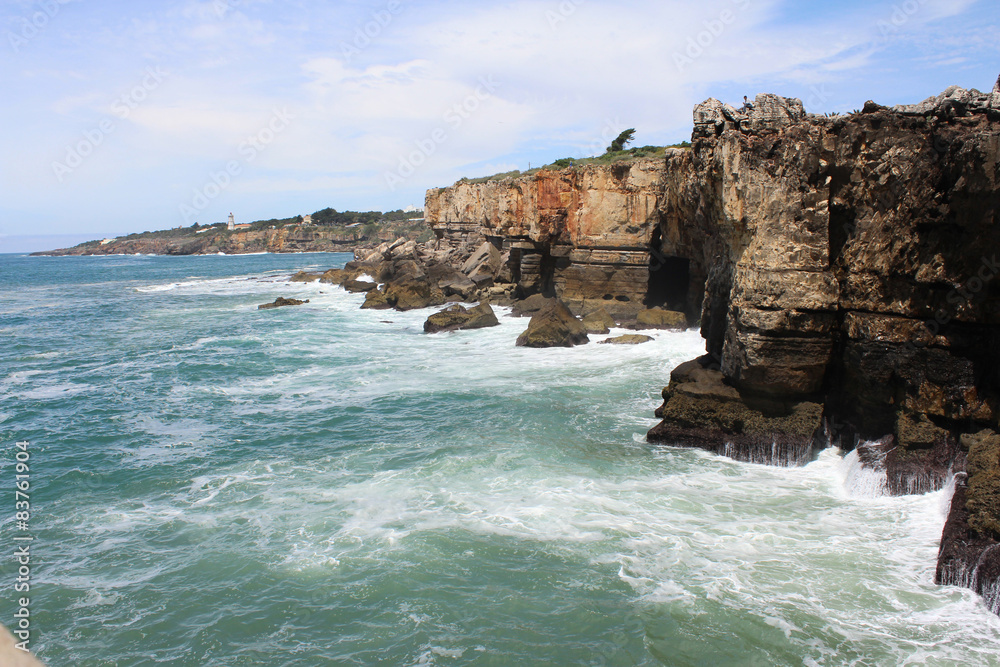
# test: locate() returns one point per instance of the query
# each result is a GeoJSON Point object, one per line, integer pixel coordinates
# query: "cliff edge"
{"type": "Point", "coordinates": [843, 270]}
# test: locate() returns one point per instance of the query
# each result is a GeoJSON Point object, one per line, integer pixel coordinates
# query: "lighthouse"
{"type": "Point", "coordinates": [232, 223]}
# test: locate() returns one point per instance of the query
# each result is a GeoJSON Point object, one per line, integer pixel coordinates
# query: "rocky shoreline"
{"type": "Point", "coordinates": [841, 267]}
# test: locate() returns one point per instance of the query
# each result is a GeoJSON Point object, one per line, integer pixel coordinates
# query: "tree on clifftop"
{"type": "Point", "coordinates": [623, 140]}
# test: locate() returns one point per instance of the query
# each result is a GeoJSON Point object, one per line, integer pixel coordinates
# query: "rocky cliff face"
{"type": "Point", "coordinates": [585, 234]}
{"type": "Point", "coordinates": [853, 299]}
{"type": "Point", "coordinates": [844, 272]}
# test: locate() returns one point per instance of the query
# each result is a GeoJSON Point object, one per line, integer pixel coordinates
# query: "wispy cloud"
{"type": "Point", "coordinates": [568, 70]}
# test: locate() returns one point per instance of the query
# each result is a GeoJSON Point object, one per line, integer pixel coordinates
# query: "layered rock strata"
{"type": "Point", "coordinates": [853, 300]}
{"type": "Point", "coordinates": [586, 235]}
{"type": "Point", "coordinates": [843, 270]}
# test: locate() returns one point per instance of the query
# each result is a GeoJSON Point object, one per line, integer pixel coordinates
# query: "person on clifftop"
{"type": "Point", "coordinates": [747, 105]}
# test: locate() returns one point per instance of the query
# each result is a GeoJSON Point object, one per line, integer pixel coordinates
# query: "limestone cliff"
{"type": "Point", "coordinates": [586, 234]}
{"type": "Point", "coordinates": [844, 272]}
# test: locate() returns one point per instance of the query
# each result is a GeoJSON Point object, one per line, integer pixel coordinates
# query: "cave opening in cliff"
{"type": "Point", "coordinates": [669, 278]}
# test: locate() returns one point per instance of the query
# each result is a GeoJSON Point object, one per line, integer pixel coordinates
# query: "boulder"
{"type": "Point", "coordinates": [305, 277]}
{"type": "Point", "coordinates": [554, 326]}
{"type": "Point", "coordinates": [711, 116]}
{"type": "Point", "coordinates": [280, 302]}
{"type": "Point", "coordinates": [340, 276]}
{"type": "Point", "coordinates": [598, 322]}
{"type": "Point", "coordinates": [771, 112]}
{"type": "Point", "coordinates": [458, 317]}
{"type": "Point", "coordinates": [627, 339]}
{"type": "Point", "coordinates": [359, 286]}
{"type": "Point", "coordinates": [413, 294]}
{"type": "Point", "coordinates": [657, 318]}
{"type": "Point", "coordinates": [375, 300]}
{"type": "Point", "coordinates": [531, 305]}
{"type": "Point", "coordinates": [484, 264]}
{"type": "Point", "coordinates": [458, 285]}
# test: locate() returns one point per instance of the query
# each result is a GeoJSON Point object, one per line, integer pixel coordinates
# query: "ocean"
{"type": "Point", "coordinates": [213, 485]}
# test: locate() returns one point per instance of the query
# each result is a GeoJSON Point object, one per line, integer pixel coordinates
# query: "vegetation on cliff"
{"type": "Point", "coordinates": [609, 157]}
{"type": "Point", "coordinates": [327, 229]}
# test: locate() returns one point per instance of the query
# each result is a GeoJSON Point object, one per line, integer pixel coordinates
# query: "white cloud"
{"type": "Point", "coordinates": [567, 76]}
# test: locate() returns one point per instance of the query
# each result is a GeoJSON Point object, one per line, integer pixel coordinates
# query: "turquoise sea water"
{"type": "Point", "coordinates": [320, 485]}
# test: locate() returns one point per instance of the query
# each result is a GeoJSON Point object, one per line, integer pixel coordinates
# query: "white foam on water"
{"type": "Point", "coordinates": [862, 481]}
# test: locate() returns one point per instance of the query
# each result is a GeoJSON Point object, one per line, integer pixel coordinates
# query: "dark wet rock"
{"type": "Point", "coordinates": [305, 277]}
{"type": "Point", "coordinates": [554, 326]}
{"type": "Point", "coordinates": [280, 302]}
{"type": "Point", "coordinates": [458, 317]}
{"type": "Point", "coordinates": [701, 410]}
{"type": "Point", "coordinates": [967, 557]}
{"type": "Point", "coordinates": [627, 339]}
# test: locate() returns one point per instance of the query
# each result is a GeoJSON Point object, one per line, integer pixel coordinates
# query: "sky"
{"type": "Point", "coordinates": [123, 117]}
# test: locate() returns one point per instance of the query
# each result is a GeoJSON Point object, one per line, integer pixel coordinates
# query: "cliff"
{"type": "Point", "coordinates": [581, 233]}
{"type": "Point", "coordinates": [843, 270]}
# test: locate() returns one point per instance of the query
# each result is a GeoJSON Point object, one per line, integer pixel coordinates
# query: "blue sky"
{"type": "Point", "coordinates": [130, 116]}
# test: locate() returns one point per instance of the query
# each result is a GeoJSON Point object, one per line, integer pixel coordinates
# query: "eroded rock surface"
{"type": "Point", "coordinates": [456, 317]}
{"type": "Point", "coordinates": [554, 326]}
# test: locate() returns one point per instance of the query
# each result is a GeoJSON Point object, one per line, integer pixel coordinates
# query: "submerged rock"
{"type": "Point", "coordinates": [280, 302]}
{"type": "Point", "coordinates": [554, 326]}
{"type": "Point", "coordinates": [458, 317]}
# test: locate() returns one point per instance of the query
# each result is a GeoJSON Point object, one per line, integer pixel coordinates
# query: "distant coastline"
{"type": "Point", "coordinates": [282, 237]}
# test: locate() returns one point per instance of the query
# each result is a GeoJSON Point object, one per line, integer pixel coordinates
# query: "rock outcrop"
{"type": "Point", "coordinates": [842, 269]}
{"type": "Point", "coordinates": [456, 317]}
{"type": "Point", "coordinates": [281, 302]}
{"type": "Point", "coordinates": [554, 326]}
{"type": "Point", "coordinates": [586, 235]}
{"type": "Point", "coordinates": [852, 299]}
